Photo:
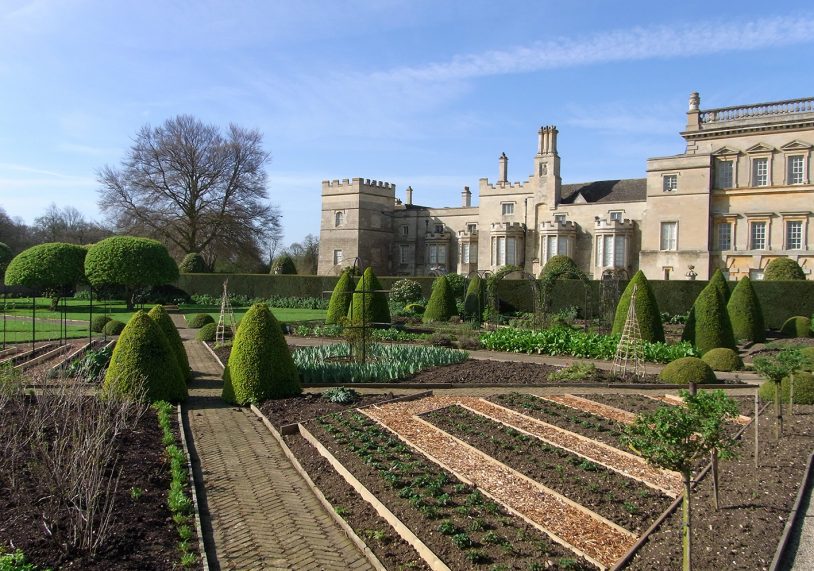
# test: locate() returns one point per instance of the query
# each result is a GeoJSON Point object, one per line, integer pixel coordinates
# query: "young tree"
{"type": "Point", "coordinates": [192, 186]}
{"type": "Point", "coordinates": [51, 267]}
{"type": "Point", "coordinates": [774, 368]}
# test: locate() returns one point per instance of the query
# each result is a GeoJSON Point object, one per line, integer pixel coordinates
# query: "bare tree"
{"type": "Point", "coordinates": [15, 233]}
{"type": "Point", "coordinates": [193, 188]}
{"type": "Point", "coordinates": [67, 224]}
{"type": "Point", "coordinates": [305, 254]}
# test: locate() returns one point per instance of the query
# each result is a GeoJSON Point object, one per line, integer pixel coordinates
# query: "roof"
{"type": "Point", "coordinates": [626, 190]}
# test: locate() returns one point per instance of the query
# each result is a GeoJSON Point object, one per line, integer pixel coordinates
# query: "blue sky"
{"type": "Point", "coordinates": [425, 93]}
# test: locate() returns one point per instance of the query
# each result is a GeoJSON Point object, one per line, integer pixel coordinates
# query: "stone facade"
{"type": "Point", "coordinates": [740, 195]}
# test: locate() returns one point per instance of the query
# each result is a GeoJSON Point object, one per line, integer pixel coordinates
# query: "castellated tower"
{"type": "Point", "coordinates": [356, 222]}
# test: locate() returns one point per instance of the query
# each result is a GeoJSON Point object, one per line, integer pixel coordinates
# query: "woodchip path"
{"type": "Point", "coordinates": [257, 512]}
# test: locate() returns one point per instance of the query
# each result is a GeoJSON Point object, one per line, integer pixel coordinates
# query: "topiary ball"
{"type": "Point", "coordinates": [198, 320]}
{"type": "Point", "coordinates": [97, 324]}
{"type": "Point", "coordinates": [803, 389]}
{"type": "Point", "coordinates": [797, 326]}
{"type": "Point", "coordinates": [783, 269]}
{"type": "Point", "coordinates": [414, 308]}
{"type": "Point", "coordinates": [113, 327]}
{"type": "Point", "coordinates": [683, 371]}
{"type": "Point", "coordinates": [143, 356]}
{"type": "Point", "coordinates": [723, 359]}
{"type": "Point", "coordinates": [260, 366]}
{"type": "Point", "coordinates": [207, 333]}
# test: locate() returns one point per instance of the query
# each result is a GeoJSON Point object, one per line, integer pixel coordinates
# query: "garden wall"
{"type": "Point", "coordinates": [780, 300]}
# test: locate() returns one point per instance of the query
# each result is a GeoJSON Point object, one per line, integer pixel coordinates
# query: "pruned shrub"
{"type": "Point", "coordinates": [442, 302]}
{"type": "Point", "coordinates": [97, 324]}
{"type": "Point", "coordinates": [783, 269]}
{"type": "Point", "coordinates": [647, 310]}
{"type": "Point", "coordinates": [193, 263]}
{"type": "Point", "coordinates": [260, 366]}
{"type": "Point", "coordinates": [457, 283]}
{"type": "Point", "coordinates": [113, 327]}
{"type": "Point", "coordinates": [198, 320]}
{"type": "Point", "coordinates": [723, 359]}
{"type": "Point", "coordinates": [405, 291]}
{"type": "Point", "coordinates": [416, 308]}
{"type": "Point", "coordinates": [797, 326]}
{"type": "Point", "coordinates": [143, 358]}
{"type": "Point", "coordinates": [340, 299]}
{"type": "Point", "coordinates": [283, 264]}
{"type": "Point", "coordinates": [372, 306]}
{"type": "Point", "coordinates": [160, 315]}
{"type": "Point", "coordinates": [686, 370]}
{"type": "Point", "coordinates": [207, 333]}
{"type": "Point", "coordinates": [711, 321]}
{"type": "Point", "coordinates": [562, 267]}
{"type": "Point", "coordinates": [718, 281]}
{"type": "Point", "coordinates": [803, 389]}
{"type": "Point", "coordinates": [473, 301]}
{"type": "Point", "coordinates": [745, 313]}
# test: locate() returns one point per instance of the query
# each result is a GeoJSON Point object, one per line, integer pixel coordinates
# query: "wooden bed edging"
{"type": "Point", "coordinates": [211, 352]}
{"type": "Point", "coordinates": [192, 489]}
{"type": "Point", "coordinates": [432, 560]}
{"type": "Point", "coordinates": [361, 545]}
{"type": "Point", "coordinates": [672, 507]}
{"type": "Point", "coordinates": [436, 386]}
{"type": "Point", "coordinates": [781, 553]}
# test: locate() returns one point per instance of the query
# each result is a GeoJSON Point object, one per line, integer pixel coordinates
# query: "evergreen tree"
{"type": "Point", "coordinates": [340, 299]}
{"type": "Point", "coordinates": [712, 326]}
{"type": "Point", "coordinates": [745, 313]}
{"type": "Point", "coordinates": [160, 315]}
{"type": "Point", "coordinates": [473, 301]}
{"type": "Point", "coordinates": [647, 310]}
{"type": "Point", "coordinates": [372, 306]}
{"type": "Point", "coordinates": [442, 302]}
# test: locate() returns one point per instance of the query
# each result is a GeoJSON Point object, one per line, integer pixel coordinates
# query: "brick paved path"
{"type": "Point", "coordinates": [258, 512]}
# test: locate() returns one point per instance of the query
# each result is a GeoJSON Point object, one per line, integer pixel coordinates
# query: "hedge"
{"type": "Point", "coordinates": [797, 326]}
{"type": "Point", "coordinates": [782, 269]}
{"type": "Point", "coordinates": [687, 369]}
{"type": "Point", "coordinates": [779, 300]}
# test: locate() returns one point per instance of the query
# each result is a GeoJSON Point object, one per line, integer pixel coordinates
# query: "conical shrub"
{"type": "Point", "coordinates": [719, 282]}
{"type": "Point", "coordinates": [442, 302]}
{"type": "Point", "coordinates": [712, 326]}
{"type": "Point", "coordinates": [283, 265]}
{"type": "Point", "coordinates": [372, 307]}
{"type": "Point", "coordinates": [473, 301]}
{"type": "Point", "coordinates": [745, 313]}
{"type": "Point", "coordinates": [340, 299]}
{"type": "Point", "coordinates": [260, 366]}
{"type": "Point", "coordinates": [143, 355]}
{"type": "Point", "coordinates": [647, 310]}
{"type": "Point", "coordinates": [689, 327]}
{"type": "Point", "coordinates": [160, 315]}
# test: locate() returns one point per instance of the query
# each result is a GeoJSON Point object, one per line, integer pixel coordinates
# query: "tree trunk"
{"type": "Point", "coordinates": [778, 413]}
{"type": "Point", "coordinates": [791, 394]}
{"type": "Point", "coordinates": [714, 455]}
{"type": "Point", "coordinates": [686, 519]}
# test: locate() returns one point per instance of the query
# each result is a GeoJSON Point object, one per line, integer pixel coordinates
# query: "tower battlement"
{"type": "Point", "coordinates": [356, 184]}
{"type": "Point", "coordinates": [507, 227]}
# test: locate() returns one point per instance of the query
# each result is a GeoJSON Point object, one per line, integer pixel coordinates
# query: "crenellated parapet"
{"type": "Point", "coordinates": [603, 224]}
{"type": "Point", "coordinates": [555, 226]}
{"type": "Point", "coordinates": [507, 228]}
{"type": "Point", "coordinates": [437, 236]}
{"type": "Point", "coordinates": [357, 185]}
{"type": "Point", "coordinates": [503, 186]}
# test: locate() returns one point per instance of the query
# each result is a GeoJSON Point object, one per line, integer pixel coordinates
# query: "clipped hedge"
{"type": "Point", "coordinates": [371, 306]}
{"type": "Point", "coordinates": [563, 266]}
{"type": "Point", "coordinates": [442, 304]}
{"type": "Point", "coordinates": [687, 369]}
{"type": "Point", "coordinates": [207, 333]}
{"type": "Point", "coordinates": [712, 328]}
{"type": "Point", "coordinates": [745, 313]}
{"type": "Point", "coordinates": [113, 327]}
{"type": "Point", "coordinates": [260, 366]}
{"type": "Point", "coordinates": [198, 320]}
{"type": "Point", "coordinates": [473, 301]}
{"type": "Point", "coordinates": [340, 299]}
{"type": "Point", "coordinates": [160, 315]}
{"type": "Point", "coordinates": [143, 355]}
{"type": "Point", "coordinates": [97, 324]}
{"type": "Point", "coordinates": [783, 269]}
{"type": "Point", "coordinates": [723, 359]}
{"type": "Point", "coordinates": [797, 326]}
{"type": "Point", "coordinates": [803, 389]}
{"type": "Point", "coordinates": [647, 310]}
{"type": "Point", "coordinates": [193, 263]}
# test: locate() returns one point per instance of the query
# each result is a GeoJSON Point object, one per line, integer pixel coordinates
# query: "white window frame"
{"type": "Point", "coordinates": [668, 242]}
{"type": "Point", "coordinates": [507, 208]}
{"type": "Point", "coordinates": [718, 174]}
{"type": "Point", "coordinates": [788, 238]}
{"type": "Point", "coordinates": [719, 243]}
{"type": "Point", "coordinates": [338, 257]}
{"type": "Point", "coordinates": [761, 178]}
{"type": "Point", "coordinates": [754, 239]}
{"type": "Point", "coordinates": [339, 218]}
{"type": "Point", "coordinates": [616, 215]}
{"type": "Point", "coordinates": [794, 175]}
{"type": "Point", "coordinates": [560, 218]}
{"type": "Point", "coordinates": [669, 182]}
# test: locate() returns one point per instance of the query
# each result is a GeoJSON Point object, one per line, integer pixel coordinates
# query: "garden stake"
{"type": "Point", "coordinates": [791, 393]}
{"type": "Point", "coordinates": [33, 321]}
{"type": "Point", "coordinates": [757, 422]}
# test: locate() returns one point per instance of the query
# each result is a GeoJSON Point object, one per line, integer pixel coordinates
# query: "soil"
{"type": "Point", "coordinates": [455, 521]}
{"type": "Point", "coordinates": [311, 405]}
{"type": "Point", "coordinates": [391, 550]}
{"type": "Point", "coordinates": [640, 403]}
{"type": "Point", "coordinates": [622, 500]}
{"type": "Point", "coordinates": [143, 534]}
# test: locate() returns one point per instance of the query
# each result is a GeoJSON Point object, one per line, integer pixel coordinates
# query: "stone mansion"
{"type": "Point", "coordinates": [738, 196]}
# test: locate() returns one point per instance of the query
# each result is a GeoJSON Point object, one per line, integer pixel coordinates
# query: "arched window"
{"type": "Point", "coordinates": [339, 219]}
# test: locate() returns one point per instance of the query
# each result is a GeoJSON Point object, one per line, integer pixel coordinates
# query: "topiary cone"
{"type": "Point", "coordinates": [647, 310]}
{"type": "Point", "coordinates": [718, 281]}
{"type": "Point", "coordinates": [473, 301]}
{"type": "Point", "coordinates": [160, 315]}
{"type": "Point", "coordinates": [340, 299]}
{"type": "Point", "coordinates": [712, 326]}
{"type": "Point", "coordinates": [143, 354]}
{"type": "Point", "coordinates": [745, 313]}
{"type": "Point", "coordinates": [442, 304]}
{"type": "Point", "coordinates": [260, 366]}
{"type": "Point", "coordinates": [375, 308]}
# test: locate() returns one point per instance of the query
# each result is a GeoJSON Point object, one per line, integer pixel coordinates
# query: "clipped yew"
{"type": "Point", "coordinates": [723, 359]}
{"type": "Point", "coordinates": [340, 299]}
{"type": "Point", "coordinates": [562, 267]}
{"type": "Point", "coordinates": [283, 264]}
{"type": "Point", "coordinates": [441, 305]}
{"type": "Point", "coordinates": [745, 313]}
{"type": "Point", "coordinates": [369, 302]}
{"type": "Point", "coordinates": [712, 326]}
{"type": "Point", "coordinates": [687, 370]}
{"type": "Point", "coordinates": [193, 263]}
{"type": "Point", "coordinates": [144, 358]}
{"type": "Point", "coordinates": [718, 281]}
{"type": "Point", "coordinates": [797, 326]}
{"type": "Point", "coordinates": [783, 269]}
{"type": "Point", "coordinates": [260, 366]}
{"type": "Point", "coordinates": [160, 315]}
{"type": "Point", "coordinates": [647, 310]}
{"type": "Point", "coordinates": [473, 301]}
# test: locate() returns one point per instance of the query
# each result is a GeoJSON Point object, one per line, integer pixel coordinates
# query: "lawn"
{"type": "Point", "coordinates": [282, 314]}
{"type": "Point", "coordinates": [20, 331]}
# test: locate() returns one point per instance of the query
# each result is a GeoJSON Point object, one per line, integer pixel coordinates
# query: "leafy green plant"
{"type": "Point", "coordinates": [574, 372]}
{"type": "Point", "coordinates": [775, 368]}
{"type": "Point", "coordinates": [91, 364]}
{"type": "Point", "coordinates": [15, 561]}
{"type": "Point", "coordinates": [341, 395]}
{"type": "Point", "coordinates": [136, 493]}
{"type": "Point", "coordinates": [405, 291]}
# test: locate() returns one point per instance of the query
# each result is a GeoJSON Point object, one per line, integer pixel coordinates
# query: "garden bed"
{"type": "Point", "coordinates": [142, 534]}
{"type": "Point", "coordinates": [641, 403]}
{"type": "Point", "coordinates": [311, 405]}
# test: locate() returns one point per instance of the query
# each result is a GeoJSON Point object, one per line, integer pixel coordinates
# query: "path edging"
{"type": "Point", "coordinates": [794, 517]}
{"type": "Point", "coordinates": [192, 489]}
{"type": "Point", "coordinates": [347, 529]}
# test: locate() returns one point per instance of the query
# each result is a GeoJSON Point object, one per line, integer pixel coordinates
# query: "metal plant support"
{"type": "Point", "coordinates": [227, 316]}
{"type": "Point", "coordinates": [629, 358]}
{"type": "Point", "coordinates": [610, 294]}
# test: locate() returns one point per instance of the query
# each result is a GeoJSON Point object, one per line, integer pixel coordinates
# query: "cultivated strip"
{"type": "Point", "coordinates": [598, 409]}
{"type": "Point", "coordinates": [674, 400]}
{"type": "Point", "coordinates": [597, 539]}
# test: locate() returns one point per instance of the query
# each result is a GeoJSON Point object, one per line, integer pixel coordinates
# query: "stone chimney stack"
{"type": "Point", "coordinates": [466, 197]}
{"type": "Point", "coordinates": [408, 196]}
{"type": "Point", "coordinates": [547, 140]}
{"type": "Point", "coordinates": [694, 112]}
{"type": "Point", "coordinates": [503, 169]}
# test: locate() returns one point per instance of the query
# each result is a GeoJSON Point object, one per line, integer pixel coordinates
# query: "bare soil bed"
{"type": "Point", "coordinates": [640, 403]}
{"type": "Point", "coordinates": [311, 405]}
{"type": "Point", "coordinates": [143, 534]}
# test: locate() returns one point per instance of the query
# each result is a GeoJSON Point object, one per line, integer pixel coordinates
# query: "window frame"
{"type": "Point", "coordinates": [754, 224]}
{"type": "Point", "coordinates": [616, 215]}
{"type": "Point", "coordinates": [802, 228]}
{"type": "Point", "coordinates": [404, 254]}
{"type": "Point", "coordinates": [790, 171]}
{"type": "Point", "coordinates": [339, 218]}
{"type": "Point", "coordinates": [507, 208]}
{"type": "Point", "coordinates": [338, 256]}
{"type": "Point", "coordinates": [719, 225]}
{"type": "Point", "coordinates": [669, 182]}
{"type": "Point", "coordinates": [666, 243]}
{"type": "Point", "coordinates": [756, 176]}
{"type": "Point", "coordinates": [405, 230]}
{"type": "Point", "coordinates": [719, 162]}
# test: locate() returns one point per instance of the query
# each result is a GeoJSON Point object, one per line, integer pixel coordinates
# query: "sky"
{"type": "Point", "coordinates": [413, 92]}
